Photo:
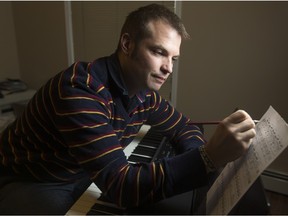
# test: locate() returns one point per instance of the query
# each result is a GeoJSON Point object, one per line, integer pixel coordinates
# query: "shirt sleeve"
{"type": "Point", "coordinates": [181, 132]}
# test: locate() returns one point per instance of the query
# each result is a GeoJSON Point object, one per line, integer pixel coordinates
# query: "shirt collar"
{"type": "Point", "coordinates": [115, 72]}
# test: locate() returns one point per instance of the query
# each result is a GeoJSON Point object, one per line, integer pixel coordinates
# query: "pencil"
{"type": "Point", "coordinates": [217, 122]}
{"type": "Point", "coordinates": [214, 122]}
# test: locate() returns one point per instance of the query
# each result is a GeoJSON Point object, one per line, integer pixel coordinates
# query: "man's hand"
{"type": "Point", "coordinates": [231, 139]}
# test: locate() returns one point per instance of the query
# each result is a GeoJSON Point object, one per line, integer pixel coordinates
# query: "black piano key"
{"type": "Point", "coordinates": [148, 146]}
{"type": "Point", "coordinates": [142, 155]}
{"type": "Point", "coordinates": [152, 144]}
{"type": "Point", "coordinates": [151, 140]}
{"type": "Point", "coordinates": [138, 158]}
{"type": "Point", "coordinates": [152, 136]}
{"type": "Point", "coordinates": [144, 151]}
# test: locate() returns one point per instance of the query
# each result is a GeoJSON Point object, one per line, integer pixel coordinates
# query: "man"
{"type": "Point", "coordinates": [75, 128]}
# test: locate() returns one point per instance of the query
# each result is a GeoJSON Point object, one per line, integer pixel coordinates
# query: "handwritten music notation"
{"type": "Point", "coordinates": [237, 176]}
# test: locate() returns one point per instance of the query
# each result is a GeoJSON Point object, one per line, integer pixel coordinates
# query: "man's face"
{"type": "Point", "coordinates": [151, 60]}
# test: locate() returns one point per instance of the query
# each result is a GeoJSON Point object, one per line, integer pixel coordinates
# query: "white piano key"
{"type": "Point", "coordinates": [130, 148]}
{"type": "Point", "coordinates": [86, 201]}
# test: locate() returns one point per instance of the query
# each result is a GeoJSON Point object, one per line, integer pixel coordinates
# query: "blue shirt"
{"type": "Point", "coordinates": [80, 121]}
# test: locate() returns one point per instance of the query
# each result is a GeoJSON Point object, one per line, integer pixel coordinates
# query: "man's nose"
{"type": "Point", "coordinates": [167, 66]}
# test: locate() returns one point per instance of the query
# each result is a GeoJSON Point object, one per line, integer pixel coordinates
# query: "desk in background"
{"type": "Point", "coordinates": [7, 114]}
{"type": "Point", "coordinates": [18, 97]}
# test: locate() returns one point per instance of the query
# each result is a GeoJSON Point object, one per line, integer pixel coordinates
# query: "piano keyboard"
{"type": "Point", "coordinates": [147, 146]}
{"type": "Point", "coordinates": [151, 147]}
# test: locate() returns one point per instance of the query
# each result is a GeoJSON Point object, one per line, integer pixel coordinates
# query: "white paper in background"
{"type": "Point", "coordinates": [237, 176]}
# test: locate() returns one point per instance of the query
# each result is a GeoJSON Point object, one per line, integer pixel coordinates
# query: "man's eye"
{"type": "Point", "coordinates": [158, 52]}
{"type": "Point", "coordinates": [174, 59]}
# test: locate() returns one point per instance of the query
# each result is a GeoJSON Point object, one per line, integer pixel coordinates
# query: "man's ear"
{"type": "Point", "coordinates": [126, 44]}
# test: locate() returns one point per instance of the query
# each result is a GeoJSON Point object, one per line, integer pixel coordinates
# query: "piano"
{"type": "Point", "coordinates": [149, 146]}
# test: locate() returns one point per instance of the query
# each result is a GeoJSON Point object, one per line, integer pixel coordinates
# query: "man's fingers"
{"type": "Point", "coordinates": [237, 117]}
{"type": "Point", "coordinates": [245, 139]}
{"type": "Point", "coordinates": [233, 136]}
{"type": "Point", "coordinates": [246, 125]}
{"type": "Point", "coordinates": [241, 120]}
{"type": "Point", "coordinates": [249, 134]}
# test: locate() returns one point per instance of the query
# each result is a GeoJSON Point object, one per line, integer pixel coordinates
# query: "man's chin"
{"type": "Point", "coordinates": [155, 87]}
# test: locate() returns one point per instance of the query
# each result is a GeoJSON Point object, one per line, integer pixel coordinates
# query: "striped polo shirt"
{"type": "Point", "coordinates": [80, 121]}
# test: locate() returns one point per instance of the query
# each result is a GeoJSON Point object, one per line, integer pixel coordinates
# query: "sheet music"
{"type": "Point", "coordinates": [236, 178]}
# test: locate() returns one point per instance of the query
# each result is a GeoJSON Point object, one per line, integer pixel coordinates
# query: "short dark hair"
{"type": "Point", "coordinates": [136, 22]}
